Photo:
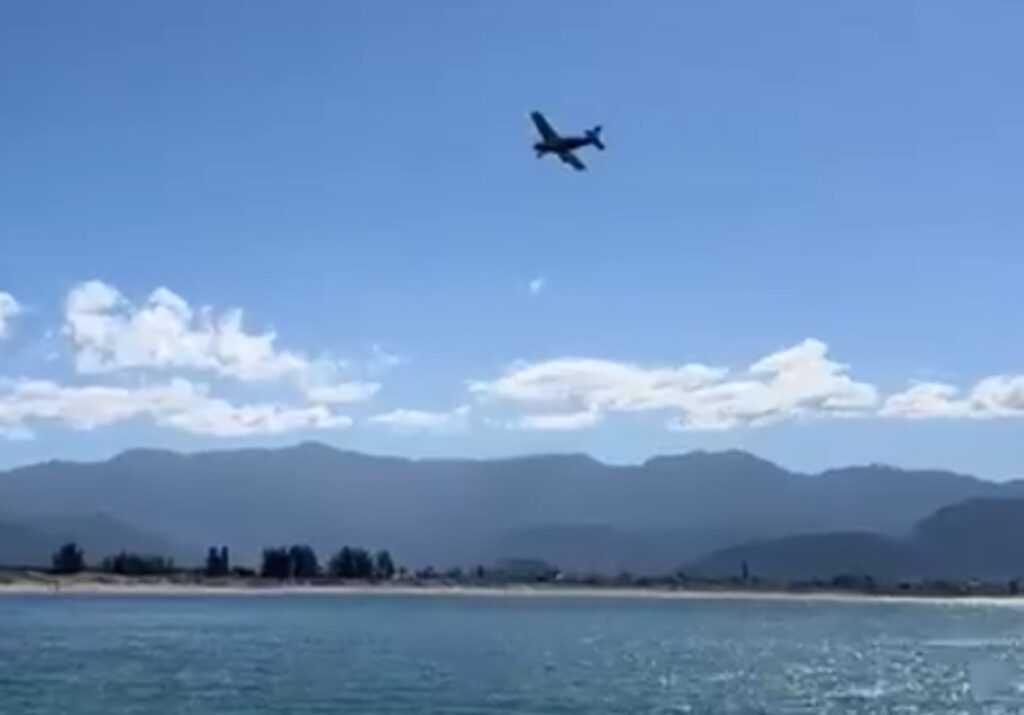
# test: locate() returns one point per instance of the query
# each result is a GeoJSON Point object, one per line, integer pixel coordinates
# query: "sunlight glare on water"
{"type": "Point", "coordinates": [329, 654]}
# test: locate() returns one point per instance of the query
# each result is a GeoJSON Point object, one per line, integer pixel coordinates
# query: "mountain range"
{"type": "Point", "coordinates": [701, 511]}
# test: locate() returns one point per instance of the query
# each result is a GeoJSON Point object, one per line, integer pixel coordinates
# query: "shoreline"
{"type": "Point", "coordinates": [54, 586]}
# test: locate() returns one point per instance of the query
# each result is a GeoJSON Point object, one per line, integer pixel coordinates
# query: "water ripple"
{"type": "Point", "coordinates": [221, 656]}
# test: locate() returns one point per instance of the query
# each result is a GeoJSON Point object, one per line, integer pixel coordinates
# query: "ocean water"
{"type": "Point", "coordinates": [270, 655]}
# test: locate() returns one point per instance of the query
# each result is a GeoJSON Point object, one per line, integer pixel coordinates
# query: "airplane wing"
{"type": "Point", "coordinates": [545, 130]}
{"type": "Point", "coordinates": [572, 160]}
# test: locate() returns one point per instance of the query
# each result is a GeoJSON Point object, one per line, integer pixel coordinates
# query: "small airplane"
{"type": "Point", "coordinates": [552, 143]}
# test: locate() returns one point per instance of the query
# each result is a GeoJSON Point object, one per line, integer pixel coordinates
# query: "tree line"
{"type": "Point", "coordinates": [294, 562]}
{"type": "Point", "coordinates": [300, 561]}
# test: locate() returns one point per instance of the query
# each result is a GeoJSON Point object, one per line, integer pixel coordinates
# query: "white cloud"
{"type": "Point", "coordinates": [406, 420]}
{"type": "Point", "coordinates": [26, 401]}
{"type": "Point", "coordinates": [926, 400]}
{"type": "Point", "coordinates": [341, 392]}
{"type": "Point", "coordinates": [110, 334]}
{"type": "Point", "coordinates": [999, 396]}
{"type": "Point", "coordinates": [537, 285]}
{"type": "Point", "coordinates": [217, 418]}
{"type": "Point", "coordinates": [381, 360]}
{"type": "Point", "coordinates": [578, 383]}
{"type": "Point", "coordinates": [994, 397]}
{"type": "Point", "coordinates": [558, 421]}
{"type": "Point", "coordinates": [799, 381]}
{"type": "Point", "coordinates": [178, 403]}
{"type": "Point", "coordinates": [9, 309]}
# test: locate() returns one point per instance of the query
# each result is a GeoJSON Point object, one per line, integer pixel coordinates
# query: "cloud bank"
{"type": "Point", "coordinates": [110, 334]}
{"type": "Point", "coordinates": [796, 383]}
{"type": "Point", "coordinates": [179, 404]}
{"type": "Point", "coordinates": [574, 393]}
{"type": "Point", "coordinates": [165, 361]}
{"type": "Point", "coordinates": [991, 398]}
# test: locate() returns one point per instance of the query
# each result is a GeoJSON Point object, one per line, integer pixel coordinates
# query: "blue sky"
{"type": "Point", "coordinates": [832, 191]}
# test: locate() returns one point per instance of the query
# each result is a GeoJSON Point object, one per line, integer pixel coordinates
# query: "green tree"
{"type": "Point", "coordinates": [384, 568]}
{"type": "Point", "coordinates": [342, 564]}
{"type": "Point", "coordinates": [276, 563]}
{"type": "Point", "coordinates": [356, 563]}
{"type": "Point", "coordinates": [303, 562]}
{"type": "Point", "coordinates": [362, 563]}
{"type": "Point", "coordinates": [214, 564]}
{"type": "Point", "coordinates": [127, 564]}
{"type": "Point", "coordinates": [69, 559]}
{"type": "Point", "coordinates": [288, 562]}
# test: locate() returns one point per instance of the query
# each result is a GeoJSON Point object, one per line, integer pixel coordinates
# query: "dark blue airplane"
{"type": "Point", "coordinates": [563, 146]}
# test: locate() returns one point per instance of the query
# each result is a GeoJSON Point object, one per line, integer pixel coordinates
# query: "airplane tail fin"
{"type": "Point", "coordinates": [594, 135]}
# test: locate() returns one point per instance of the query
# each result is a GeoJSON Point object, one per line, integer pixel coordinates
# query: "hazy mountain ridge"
{"type": "Point", "coordinates": [813, 556]}
{"type": "Point", "coordinates": [572, 509]}
{"type": "Point", "coordinates": [979, 539]}
{"type": "Point", "coordinates": [31, 540]}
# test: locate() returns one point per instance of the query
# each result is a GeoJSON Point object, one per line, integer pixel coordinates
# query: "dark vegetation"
{"type": "Point", "coordinates": [125, 564]}
{"type": "Point", "coordinates": [69, 559]}
{"type": "Point", "coordinates": [299, 564]}
{"type": "Point", "coordinates": [218, 562]}
{"type": "Point", "coordinates": [295, 562]}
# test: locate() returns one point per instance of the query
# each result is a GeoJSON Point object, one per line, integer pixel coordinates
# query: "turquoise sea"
{"type": "Point", "coordinates": [270, 655]}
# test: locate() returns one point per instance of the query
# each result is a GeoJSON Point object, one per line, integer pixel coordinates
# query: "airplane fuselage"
{"type": "Point", "coordinates": [557, 146]}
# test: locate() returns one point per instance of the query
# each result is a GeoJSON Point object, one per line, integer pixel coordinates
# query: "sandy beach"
{"type": "Point", "coordinates": [96, 585]}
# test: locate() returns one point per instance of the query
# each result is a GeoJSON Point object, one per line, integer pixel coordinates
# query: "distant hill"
{"type": "Point", "coordinates": [979, 539]}
{"type": "Point", "coordinates": [816, 556]}
{"type": "Point", "coordinates": [570, 510]}
{"type": "Point", "coordinates": [31, 541]}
